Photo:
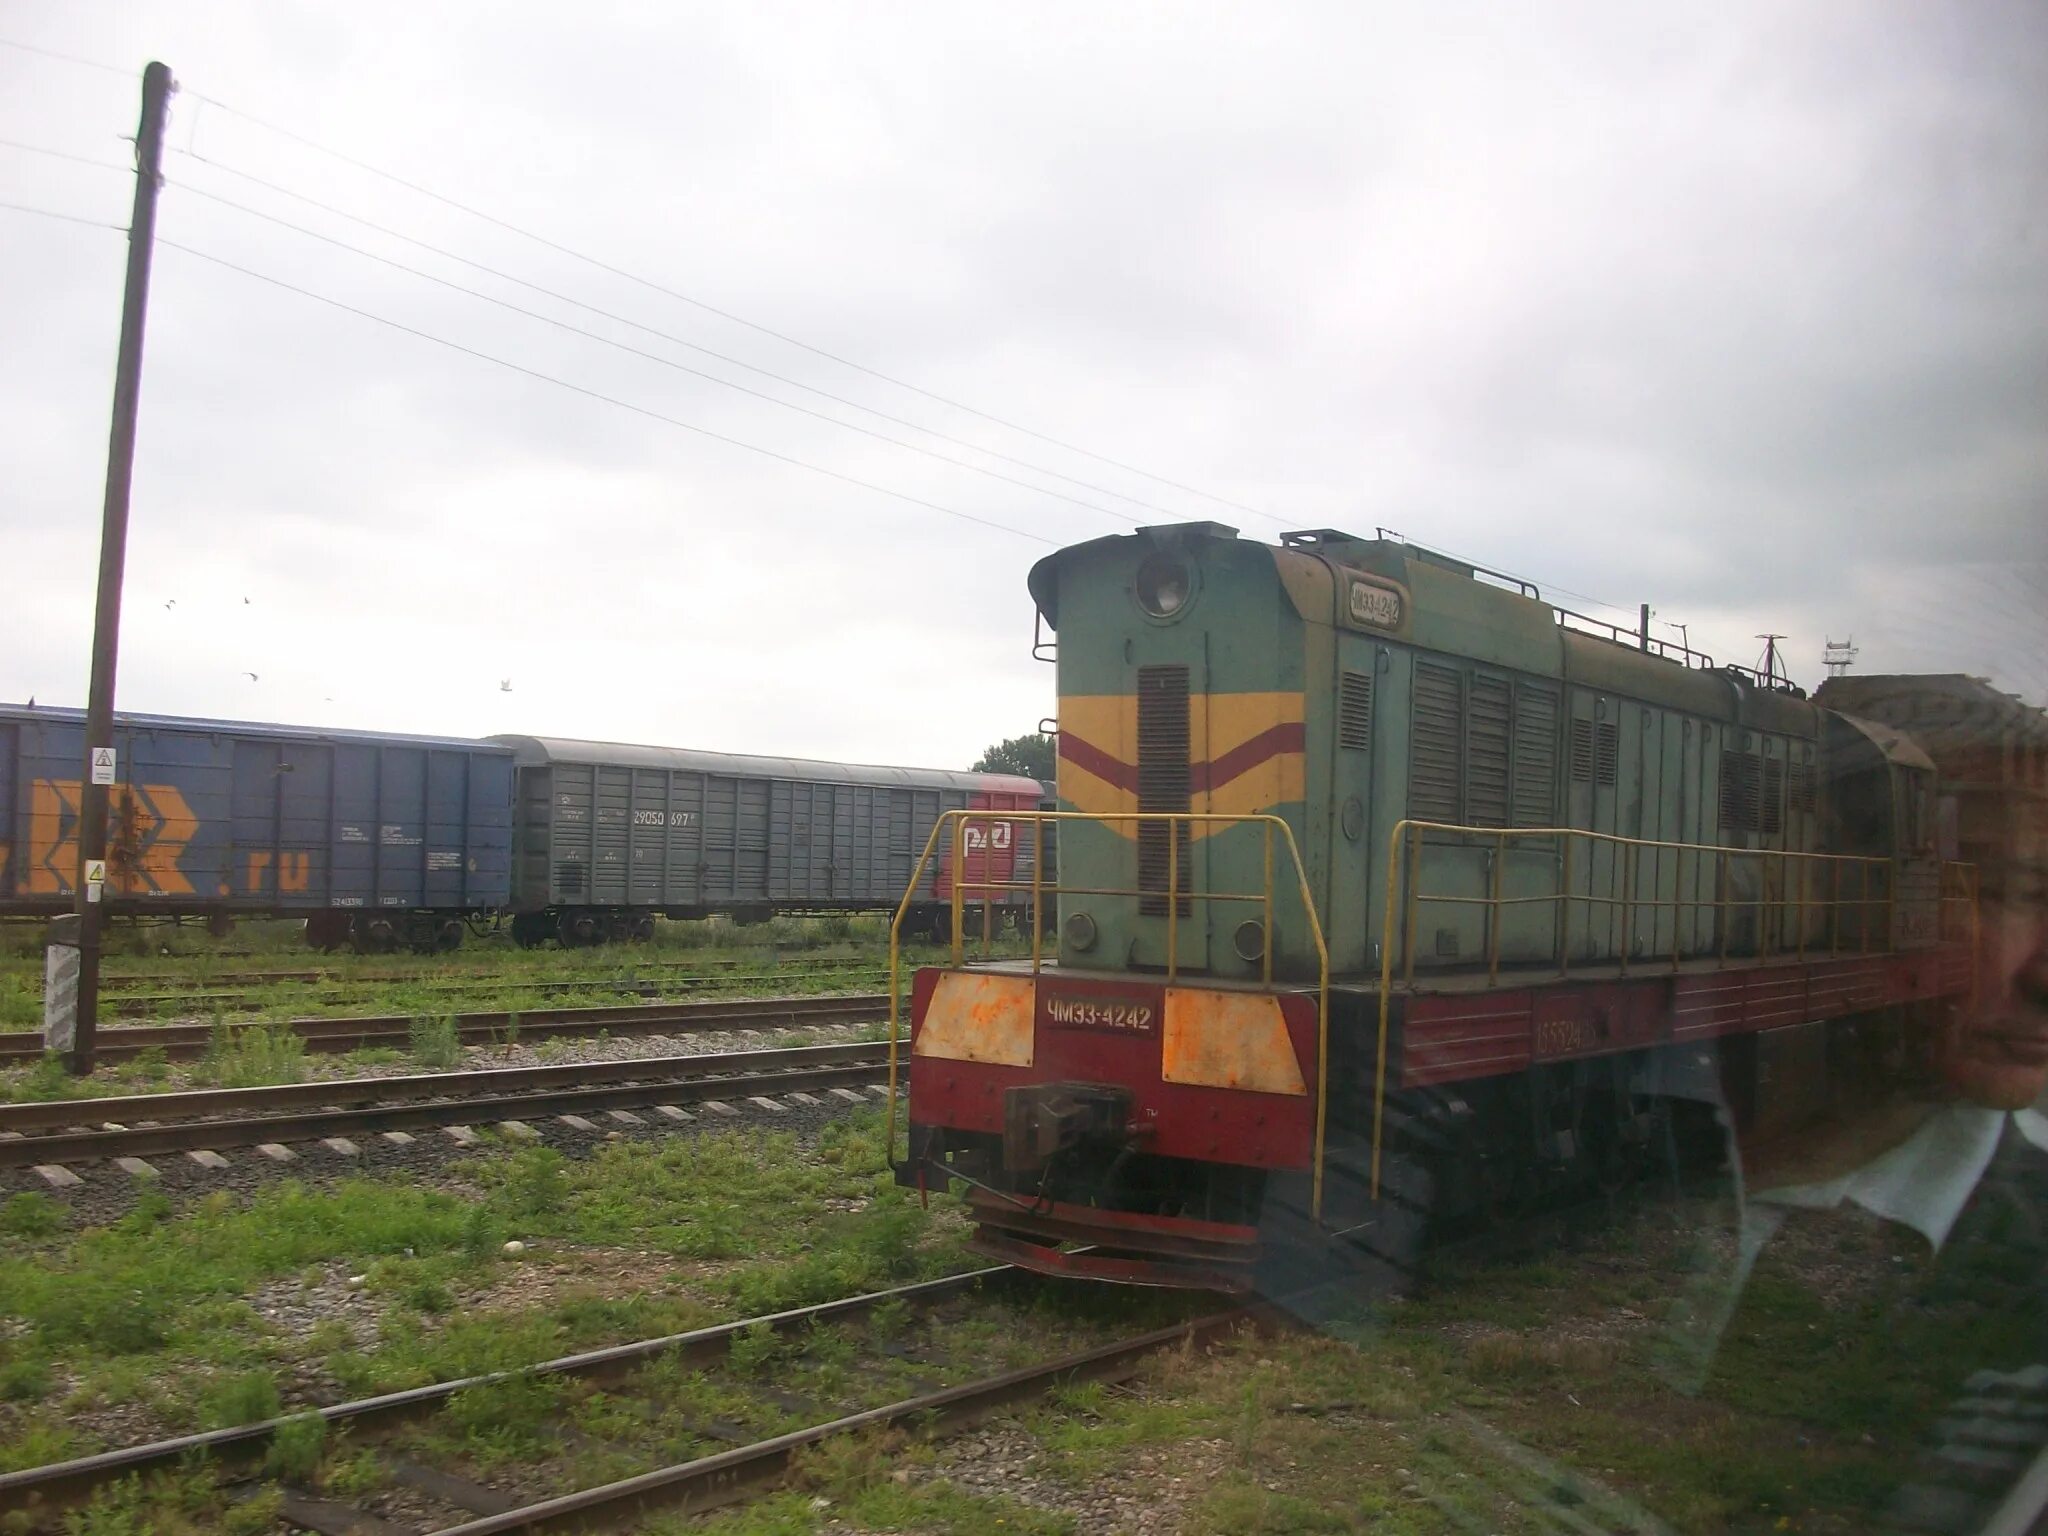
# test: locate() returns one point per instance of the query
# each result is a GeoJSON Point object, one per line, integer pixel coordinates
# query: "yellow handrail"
{"type": "Point", "coordinates": [952, 824]}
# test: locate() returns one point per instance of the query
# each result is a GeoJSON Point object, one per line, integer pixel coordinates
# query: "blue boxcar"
{"type": "Point", "coordinates": [383, 839]}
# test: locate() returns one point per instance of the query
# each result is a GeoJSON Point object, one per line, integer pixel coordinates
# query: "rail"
{"type": "Point", "coordinates": [1956, 898]}
{"type": "Point", "coordinates": [955, 827]}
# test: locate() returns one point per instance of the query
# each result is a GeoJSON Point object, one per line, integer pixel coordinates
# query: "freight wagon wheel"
{"type": "Point", "coordinates": [374, 936]}
{"type": "Point", "coordinates": [448, 936]}
{"type": "Point", "coordinates": [642, 930]}
{"type": "Point", "coordinates": [529, 930]}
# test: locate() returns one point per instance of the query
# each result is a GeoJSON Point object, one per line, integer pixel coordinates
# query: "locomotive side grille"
{"type": "Point", "coordinates": [1163, 782]}
{"type": "Point", "coordinates": [1535, 785]}
{"type": "Point", "coordinates": [1488, 718]}
{"type": "Point", "coordinates": [1772, 820]}
{"type": "Point", "coordinates": [1582, 751]}
{"type": "Point", "coordinates": [1741, 791]}
{"type": "Point", "coordinates": [1354, 710]}
{"type": "Point", "coordinates": [1606, 748]}
{"type": "Point", "coordinates": [1799, 791]}
{"type": "Point", "coordinates": [1435, 740]}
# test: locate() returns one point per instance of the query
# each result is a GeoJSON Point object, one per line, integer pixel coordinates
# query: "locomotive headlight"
{"type": "Point", "coordinates": [1080, 929]}
{"type": "Point", "coordinates": [1164, 585]}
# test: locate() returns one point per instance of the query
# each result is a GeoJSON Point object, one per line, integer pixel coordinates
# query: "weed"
{"type": "Point", "coordinates": [24, 1378]}
{"type": "Point", "coordinates": [510, 1419]}
{"type": "Point", "coordinates": [754, 1349]}
{"type": "Point", "coordinates": [253, 1055]}
{"type": "Point", "coordinates": [32, 1214]}
{"type": "Point", "coordinates": [435, 1041]}
{"type": "Point", "coordinates": [296, 1448]}
{"type": "Point", "coordinates": [360, 1474]}
{"type": "Point", "coordinates": [248, 1397]}
{"type": "Point", "coordinates": [20, 1007]}
{"type": "Point", "coordinates": [36, 1443]}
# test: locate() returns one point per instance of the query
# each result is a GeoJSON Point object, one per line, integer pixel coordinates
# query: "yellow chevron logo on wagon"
{"type": "Point", "coordinates": [148, 827]}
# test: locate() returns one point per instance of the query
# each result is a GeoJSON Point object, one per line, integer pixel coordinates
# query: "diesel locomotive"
{"type": "Point", "coordinates": [1391, 895]}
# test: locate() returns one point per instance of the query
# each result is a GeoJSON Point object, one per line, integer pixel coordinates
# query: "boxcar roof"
{"type": "Point", "coordinates": [25, 714]}
{"type": "Point", "coordinates": [536, 750]}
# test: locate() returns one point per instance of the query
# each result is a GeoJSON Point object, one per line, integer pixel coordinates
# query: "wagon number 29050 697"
{"type": "Point", "coordinates": [664, 818]}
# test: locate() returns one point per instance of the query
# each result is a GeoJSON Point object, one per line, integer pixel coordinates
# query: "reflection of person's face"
{"type": "Point", "coordinates": [2005, 1058]}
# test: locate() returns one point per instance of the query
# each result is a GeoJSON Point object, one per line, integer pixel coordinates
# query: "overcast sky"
{"type": "Point", "coordinates": [1739, 310]}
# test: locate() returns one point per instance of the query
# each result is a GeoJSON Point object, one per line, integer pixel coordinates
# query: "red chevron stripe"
{"type": "Point", "coordinates": [1202, 777]}
{"type": "Point", "coordinates": [1241, 759]}
{"type": "Point", "coordinates": [1092, 759]}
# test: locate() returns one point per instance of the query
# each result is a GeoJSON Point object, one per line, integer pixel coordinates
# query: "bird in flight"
{"type": "Point", "coordinates": [504, 685]}
{"type": "Point", "coordinates": [171, 604]}
{"type": "Point", "coordinates": [250, 675]}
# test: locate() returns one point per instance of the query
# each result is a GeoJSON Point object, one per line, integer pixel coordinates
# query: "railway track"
{"type": "Point", "coordinates": [490, 1027]}
{"type": "Point", "coordinates": [250, 999]}
{"type": "Point", "coordinates": [57, 1133]}
{"type": "Point", "coordinates": [733, 1461]}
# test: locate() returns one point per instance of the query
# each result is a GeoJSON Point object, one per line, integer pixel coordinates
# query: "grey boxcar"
{"type": "Point", "coordinates": [607, 836]}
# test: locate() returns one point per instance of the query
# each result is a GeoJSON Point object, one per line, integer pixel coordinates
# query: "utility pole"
{"type": "Point", "coordinates": [97, 779]}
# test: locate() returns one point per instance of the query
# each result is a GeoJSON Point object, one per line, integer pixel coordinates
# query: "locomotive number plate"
{"type": "Point", "coordinates": [1109, 1014]}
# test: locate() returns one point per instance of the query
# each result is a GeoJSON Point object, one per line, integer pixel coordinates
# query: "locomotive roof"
{"type": "Point", "coordinates": [26, 714]}
{"type": "Point", "coordinates": [537, 750]}
{"type": "Point", "coordinates": [1466, 610]}
{"type": "Point", "coordinates": [1943, 709]}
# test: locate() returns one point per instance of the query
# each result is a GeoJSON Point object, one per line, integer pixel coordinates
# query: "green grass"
{"type": "Point", "coordinates": [154, 1308]}
{"type": "Point", "coordinates": [252, 1055]}
{"type": "Point", "coordinates": [435, 1041]}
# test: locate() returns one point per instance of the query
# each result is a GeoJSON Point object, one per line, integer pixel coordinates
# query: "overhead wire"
{"type": "Point", "coordinates": [68, 218]}
{"type": "Point", "coordinates": [653, 357]}
{"type": "Point", "coordinates": [599, 395]}
{"type": "Point", "coordinates": [68, 58]}
{"type": "Point", "coordinates": [562, 298]}
{"type": "Point", "coordinates": [681, 297]}
{"type": "Point", "coordinates": [65, 154]}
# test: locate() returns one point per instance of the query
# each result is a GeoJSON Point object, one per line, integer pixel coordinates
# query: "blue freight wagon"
{"type": "Point", "coordinates": [376, 840]}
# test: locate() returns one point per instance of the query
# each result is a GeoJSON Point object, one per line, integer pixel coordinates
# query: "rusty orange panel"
{"type": "Point", "coordinates": [978, 1018]}
{"type": "Point", "coordinates": [1228, 1040]}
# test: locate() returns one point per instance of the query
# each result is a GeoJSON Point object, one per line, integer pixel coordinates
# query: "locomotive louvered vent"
{"type": "Point", "coordinates": [1535, 755]}
{"type": "Point", "coordinates": [1772, 819]}
{"type": "Point", "coordinates": [1354, 710]}
{"type": "Point", "coordinates": [1606, 748]}
{"type": "Point", "coordinates": [1582, 751]}
{"type": "Point", "coordinates": [1799, 788]}
{"type": "Point", "coordinates": [1488, 725]}
{"type": "Point", "coordinates": [1741, 790]}
{"type": "Point", "coordinates": [1434, 740]}
{"type": "Point", "coordinates": [1596, 745]}
{"type": "Point", "coordinates": [1163, 783]}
